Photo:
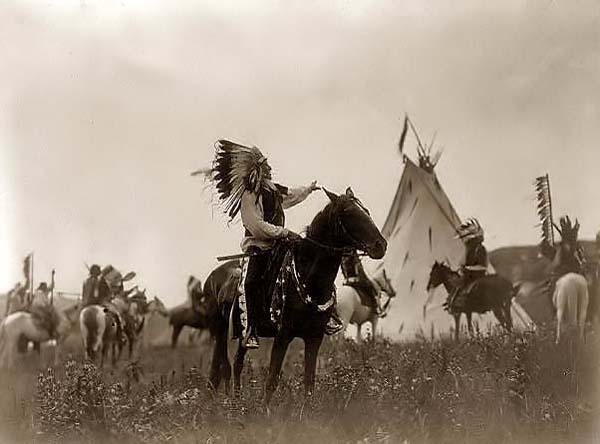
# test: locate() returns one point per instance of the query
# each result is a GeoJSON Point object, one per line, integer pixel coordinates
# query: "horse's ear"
{"type": "Point", "coordinates": [129, 276]}
{"type": "Point", "coordinates": [332, 196]}
{"type": "Point", "coordinates": [349, 192]}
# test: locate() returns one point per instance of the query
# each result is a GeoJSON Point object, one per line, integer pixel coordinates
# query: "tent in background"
{"type": "Point", "coordinates": [420, 229]}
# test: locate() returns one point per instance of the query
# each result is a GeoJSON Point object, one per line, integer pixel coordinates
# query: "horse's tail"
{"type": "Point", "coordinates": [90, 331]}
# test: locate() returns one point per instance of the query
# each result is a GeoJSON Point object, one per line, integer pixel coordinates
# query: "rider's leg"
{"type": "Point", "coordinates": [253, 288]}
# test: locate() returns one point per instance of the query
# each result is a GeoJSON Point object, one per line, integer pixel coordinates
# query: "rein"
{"type": "Point", "coordinates": [357, 245]}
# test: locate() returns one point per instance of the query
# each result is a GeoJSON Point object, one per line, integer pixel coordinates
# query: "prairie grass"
{"type": "Point", "coordinates": [493, 387]}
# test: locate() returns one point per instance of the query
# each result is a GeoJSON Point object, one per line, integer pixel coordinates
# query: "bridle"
{"type": "Point", "coordinates": [340, 227]}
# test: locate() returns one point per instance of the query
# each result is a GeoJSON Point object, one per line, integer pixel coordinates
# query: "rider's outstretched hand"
{"type": "Point", "coordinates": [293, 236]}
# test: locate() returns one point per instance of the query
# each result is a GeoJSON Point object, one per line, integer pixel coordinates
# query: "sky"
{"type": "Point", "coordinates": [107, 106]}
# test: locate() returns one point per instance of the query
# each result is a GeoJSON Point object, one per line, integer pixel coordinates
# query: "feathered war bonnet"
{"type": "Point", "coordinates": [469, 230]}
{"type": "Point", "coordinates": [568, 231]}
{"type": "Point", "coordinates": [237, 168]}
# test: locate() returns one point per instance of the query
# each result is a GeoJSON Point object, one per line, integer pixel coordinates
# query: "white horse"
{"type": "Point", "coordinates": [351, 310]}
{"type": "Point", "coordinates": [570, 299]}
{"type": "Point", "coordinates": [99, 333]}
{"type": "Point", "coordinates": [22, 323]}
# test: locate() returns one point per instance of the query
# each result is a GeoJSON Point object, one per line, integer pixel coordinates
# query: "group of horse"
{"type": "Point", "coordinates": [343, 226]}
{"type": "Point", "coordinates": [97, 326]}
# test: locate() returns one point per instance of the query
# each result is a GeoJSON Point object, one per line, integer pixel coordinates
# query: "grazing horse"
{"type": "Point", "coordinates": [489, 293]}
{"type": "Point", "coordinates": [351, 309]}
{"type": "Point", "coordinates": [570, 299]}
{"type": "Point", "coordinates": [342, 226]}
{"type": "Point", "coordinates": [23, 324]}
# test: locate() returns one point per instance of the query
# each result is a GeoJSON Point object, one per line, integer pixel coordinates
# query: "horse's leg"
{"type": "Point", "coordinates": [499, 313]}
{"type": "Point", "coordinates": [278, 351]}
{"type": "Point", "coordinates": [103, 353]}
{"type": "Point", "coordinates": [457, 326]}
{"type": "Point", "coordinates": [311, 350]}
{"type": "Point", "coordinates": [37, 347]}
{"type": "Point", "coordinates": [582, 314]}
{"type": "Point", "coordinates": [559, 321]}
{"type": "Point", "coordinates": [508, 315]}
{"type": "Point", "coordinates": [238, 366]}
{"type": "Point", "coordinates": [175, 335]}
{"type": "Point", "coordinates": [374, 320]}
{"type": "Point", "coordinates": [358, 333]}
{"type": "Point", "coordinates": [57, 348]}
{"type": "Point", "coordinates": [219, 356]}
{"type": "Point", "coordinates": [469, 323]}
{"type": "Point", "coordinates": [130, 340]}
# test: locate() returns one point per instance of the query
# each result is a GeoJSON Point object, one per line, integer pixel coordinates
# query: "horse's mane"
{"type": "Point", "coordinates": [323, 217]}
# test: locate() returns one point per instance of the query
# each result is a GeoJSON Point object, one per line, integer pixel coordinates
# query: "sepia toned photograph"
{"type": "Point", "coordinates": [344, 221]}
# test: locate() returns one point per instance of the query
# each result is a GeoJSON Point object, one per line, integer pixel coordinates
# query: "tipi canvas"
{"type": "Point", "coordinates": [420, 229]}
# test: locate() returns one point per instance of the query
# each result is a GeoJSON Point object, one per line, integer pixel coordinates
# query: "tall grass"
{"type": "Point", "coordinates": [491, 388]}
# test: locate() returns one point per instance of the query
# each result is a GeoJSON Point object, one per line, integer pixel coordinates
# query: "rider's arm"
{"type": "Point", "coordinates": [294, 196]}
{"type": "Point", "coordinates": [252, 218]}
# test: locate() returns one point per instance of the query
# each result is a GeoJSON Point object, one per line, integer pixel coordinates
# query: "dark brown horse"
{"type": "Point", "coordinates": [490, 293]}
{"type": "Point", "coordinates": [344, 224]}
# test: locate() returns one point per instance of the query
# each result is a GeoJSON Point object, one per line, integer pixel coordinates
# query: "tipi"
{"type": "Point", "coordinates": [420, 229]}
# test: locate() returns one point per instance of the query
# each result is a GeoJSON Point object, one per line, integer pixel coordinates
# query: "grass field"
{"type": "Point", "coordinates": [491, 388]}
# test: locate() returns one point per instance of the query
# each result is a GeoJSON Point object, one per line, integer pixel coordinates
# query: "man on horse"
{"type": "Point", "coordinates": [356, 277]}
{"type": "Point", "coordinates": [568, 257]}
{"type": "Point", "coordinates": [244, 182]}
{"type": "Point", "coordinates": [476, 259]}
{"type": "Point", "coordinates": [97, 291]}
{"type": "Point", "coordinates": [42, 310]}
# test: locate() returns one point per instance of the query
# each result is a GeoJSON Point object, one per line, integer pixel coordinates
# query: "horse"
{"type": "Point", "coordinates": [192, 314]}
{"type": "Point", "coordinates": [342, 226]}
{"type": "Point", "coordinates": [157, 306]}
{"type": "Point", "coordinates": [99, 332]}
{"type": "Point", "coordinates": [23, 324]}
{"type": "Point", "coordinates": [351, 309]}
{"type": "Point", "coordinates": [133, 309]}
{"type": "Point", "coordinates": [570, 300]}
{"type": "Point", "coordinates": [489, 293]}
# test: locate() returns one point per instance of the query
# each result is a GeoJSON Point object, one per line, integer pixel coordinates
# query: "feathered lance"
{"type": "Point", "coordinates": [544, 208]}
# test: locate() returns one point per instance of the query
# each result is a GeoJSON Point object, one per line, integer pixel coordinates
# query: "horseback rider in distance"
{"type": "Point", "coordinates": [244, 182]}
{"type": "Point", "coordinates": [356, 277]}
{"type": "Point", "coordinates": [476, 258]}
{"type": "Point", "coordinates": [568, 257]}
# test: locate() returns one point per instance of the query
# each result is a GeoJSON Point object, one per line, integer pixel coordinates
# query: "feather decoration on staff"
{"type": "Point", "coordinates": [544, 208]}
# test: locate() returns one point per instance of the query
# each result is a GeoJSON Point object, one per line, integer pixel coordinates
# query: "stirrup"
{"type": "Point", "coordinates": [251, 342]}
{"type": "Point", "coordinates": [333, 326]}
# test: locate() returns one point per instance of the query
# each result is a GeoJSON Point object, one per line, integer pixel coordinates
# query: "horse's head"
{"type": "Point", "coordinates": [384, 283]}
{"type": "Point", "coordinates": [157, 306]}
{"type": "Point", "coordinates": [438, 275]}
{"type": "Point", "coordinates": [354, 227]}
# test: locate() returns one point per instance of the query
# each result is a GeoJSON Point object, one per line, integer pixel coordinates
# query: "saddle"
{"type": "Point", "coordinates": [45, 317]}
{"type": "Point", "coordinates": [282, 280]}
{"type": "Point", "coordinates": [270, 307]}
{"type": "Point", "coordinates": [366, 293]}
{"type": "Point", "coordinates": [457, 300]}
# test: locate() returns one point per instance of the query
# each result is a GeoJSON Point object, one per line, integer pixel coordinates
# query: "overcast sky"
{"type": "Point", "coordinates": [106, 107]}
